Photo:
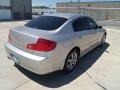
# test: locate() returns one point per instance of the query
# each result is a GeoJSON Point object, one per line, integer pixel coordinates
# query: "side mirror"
{"type": "Point", "coordinates": [100, 27]}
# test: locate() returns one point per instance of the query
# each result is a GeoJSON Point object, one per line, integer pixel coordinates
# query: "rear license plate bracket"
{"type": "Point", "coordinates": [15, 58]}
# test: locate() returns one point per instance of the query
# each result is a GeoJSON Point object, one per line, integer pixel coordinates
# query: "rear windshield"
{"type": "Point", "coordinates": [46, 22]}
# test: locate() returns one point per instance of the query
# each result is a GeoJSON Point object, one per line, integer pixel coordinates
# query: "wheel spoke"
{"type": "Point", "coordinates": [72, 55]}
{"type": "Point", "coordinates": [69, 60]}
{"type": "Point", "coordinates": [72, 61]}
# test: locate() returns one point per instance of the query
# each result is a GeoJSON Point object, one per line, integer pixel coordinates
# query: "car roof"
{"type": "Point", "coordinates": [65, 15]}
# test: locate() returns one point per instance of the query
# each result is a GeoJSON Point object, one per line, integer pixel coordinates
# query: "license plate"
{"type": "Point", "coordinates": [15, 59]}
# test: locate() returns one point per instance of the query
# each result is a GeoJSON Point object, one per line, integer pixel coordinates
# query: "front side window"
{"type": "Point", "coordinates": [80, 24]}
{"type": "Point", "coordinates": [92, 24]}
{"type": "Point", "coordinates": [47, 23]}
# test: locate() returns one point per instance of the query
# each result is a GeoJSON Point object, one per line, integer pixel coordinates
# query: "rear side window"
{"type": "Point", "coordinates": [47, 23]}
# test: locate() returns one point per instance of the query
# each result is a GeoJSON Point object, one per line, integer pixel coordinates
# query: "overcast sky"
{"type": "Point", "coordinates": [53, 2]}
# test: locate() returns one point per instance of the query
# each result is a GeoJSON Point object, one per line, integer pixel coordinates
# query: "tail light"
{"type": "Point", "coordinates": [42, 45]}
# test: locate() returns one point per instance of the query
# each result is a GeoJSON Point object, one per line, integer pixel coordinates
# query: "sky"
{"type": "Point", "coordinates": [53, 2]}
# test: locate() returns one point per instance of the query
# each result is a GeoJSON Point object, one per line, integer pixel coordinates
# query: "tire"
{"type": "Point", "coordinates": [103, 40]}
{"type": "Point", "coordinates": [71, 61]}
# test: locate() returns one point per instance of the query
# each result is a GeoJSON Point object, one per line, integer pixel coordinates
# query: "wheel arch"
{"type": "Point", "coordinates": [63, 63]}
{"type": "Point", "coordinates": [76, 48]}
{"type": "Point", "coordinates": [105, 34]}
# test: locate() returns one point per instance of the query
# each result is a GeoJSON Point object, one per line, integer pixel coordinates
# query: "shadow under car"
{"type": "Point", "coordinates": [58, 79]}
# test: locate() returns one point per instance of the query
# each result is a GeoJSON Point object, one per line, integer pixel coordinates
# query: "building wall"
{"type": "Point", "coordinates": [40, 11]}
{"type": "Point", "coordinates": [5, 11]}
{"type": "Point", "coordinates": [97, 10]}
{"type": "Point", "coordinates": [21, 9]}
{"type": "Point", "coordinates": [112, 4]}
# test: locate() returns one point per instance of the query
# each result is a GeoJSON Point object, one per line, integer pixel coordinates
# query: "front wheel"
{"type": "Point", "coordinates": [103, 40]}
{"type": "Point", "coordinates": [71, 60]}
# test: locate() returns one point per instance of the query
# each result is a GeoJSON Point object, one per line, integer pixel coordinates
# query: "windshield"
{"type": "Point", "coordinates": [47, 22]}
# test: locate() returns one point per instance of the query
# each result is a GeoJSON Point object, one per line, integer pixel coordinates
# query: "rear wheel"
{"type": "Point", "coordinates": [71, 60]}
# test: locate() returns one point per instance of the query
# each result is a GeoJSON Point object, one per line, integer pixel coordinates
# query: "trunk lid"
{"type": "Point", "coordinates": [20, 37]}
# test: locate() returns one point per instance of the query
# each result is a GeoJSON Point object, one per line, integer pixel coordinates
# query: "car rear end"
{"type": "Point", "coordinates": [33, 48]}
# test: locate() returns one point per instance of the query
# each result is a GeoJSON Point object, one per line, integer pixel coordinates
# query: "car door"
{"type": "Point", "coordinates": [95, 30]}
{"type": "Point", "coordinates": [85, 35]}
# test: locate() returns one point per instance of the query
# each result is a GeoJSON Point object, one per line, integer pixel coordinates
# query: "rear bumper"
{"type": "Point", "coordinates": [36, 64]}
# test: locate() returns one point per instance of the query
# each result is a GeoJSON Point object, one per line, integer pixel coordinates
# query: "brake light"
{"type": "Point", "coordinates": [42, 45]}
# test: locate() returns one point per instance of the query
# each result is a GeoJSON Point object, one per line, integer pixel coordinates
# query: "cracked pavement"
{"type": "Point", "coordinates": [98, 70]}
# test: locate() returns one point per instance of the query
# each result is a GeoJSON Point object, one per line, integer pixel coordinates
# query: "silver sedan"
{"type": "Point", "coordinates": [54, 42]}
